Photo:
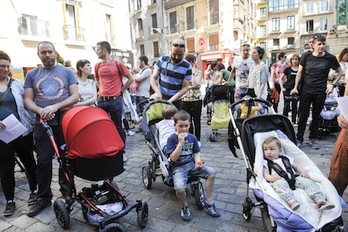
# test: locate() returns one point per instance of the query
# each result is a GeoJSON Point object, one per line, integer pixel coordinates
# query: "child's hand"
{"type": "Point", "coordinates": [275, 178]}
{"type": "Point", "coordinates": [181, 138]}
{"type": "Point", "coordinates": [199, 164]}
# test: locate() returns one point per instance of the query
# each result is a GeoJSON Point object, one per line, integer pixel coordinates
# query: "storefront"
{"type": "Point", "coordinates": [220, 56]}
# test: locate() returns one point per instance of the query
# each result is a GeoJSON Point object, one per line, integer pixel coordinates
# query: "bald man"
{"type": "Point", "coordinates": [173, 73]}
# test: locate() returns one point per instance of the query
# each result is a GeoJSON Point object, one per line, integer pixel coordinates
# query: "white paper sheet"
{"type": "Point", "coordinates": [343, 103]}
{"type": "Point", "coordinates": [14, 129]}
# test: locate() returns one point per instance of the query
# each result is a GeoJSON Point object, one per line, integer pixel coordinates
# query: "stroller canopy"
{"type": "Point", "coordinates": [90, 133]}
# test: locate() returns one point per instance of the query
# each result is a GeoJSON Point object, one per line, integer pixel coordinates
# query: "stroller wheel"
{"type": "Point", "coordinates": [112, 227]}
{"type": "Point", "coordinates": [247, 206]}
{"type": "Point", "coordinates": [199, 194]}
{"type": "Point", "coordinates": [147, 177]}
{"type": "Point", "coordinates": [143, 215]}
{"type": "Point", "coordinates": [62, 213]}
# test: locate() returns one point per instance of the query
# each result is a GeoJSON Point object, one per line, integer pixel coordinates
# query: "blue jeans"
{"type": "Point", "coordinates": [115, 109]}
{"type": "Point", "coordinates": [182, 172]}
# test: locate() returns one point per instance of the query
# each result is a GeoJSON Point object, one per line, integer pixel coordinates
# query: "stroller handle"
{"type": "Point", "coordinates": [251, 100]}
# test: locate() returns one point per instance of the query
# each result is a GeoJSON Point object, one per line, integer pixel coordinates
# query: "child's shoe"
{"type": "Point", "coordinates": [324, 205]}
{"type": "Point", "coordinates": [185, 213]}
{"type": "Point", "coordinates": [211, 209]}
{"type": "Point", "coordinates": [294, 205]}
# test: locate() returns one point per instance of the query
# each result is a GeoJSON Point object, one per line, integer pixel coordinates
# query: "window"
{"type": "Point", "coordinates": [214, 11]}
{"type": "Point", "coordinates": [138, 4]}
{"type": "Point", "coordinates": [142, 50]}
{"type": "Point", "coordinates": [153, 1]}
{"type": "Point", "coordinates": [108, 29]}
{"type": "Point", "coordinates": [140, 28]}
{"type": "Point", "coordinates": [263, 31]}
{"type": "Point", "coordinates": [70, 23]}
{"type": "Point", "coordinates": [190, 24]}
{"type": "Point", "coordinates": [28, 25]}
{"type": "Point", "coordinates": [324, 6]}
{"type": "Point", "coordinates": [291, 40]}
{"type": "Point", "coordinates": [275, 43]}
{"type": "Point", "coordinates": [173, 22]}
{"type": "Point", "coordinates": [155, 49]}
{"type": "Point", "coordinates": [275, 24]}
{"type": "Point", "coordinates": [309, 8]}
{"type": "Point", "coordinates": [291, 22]}
{"type": "Point", "coordinates": [263, 12]}
{"type": "Point", "coordinates": [309, 26]}
{"type": "Point", "coordinates": [323, 24]}
{"type": "Point", "coordinates": [263, 45]}
{"type": "Point", "coordinates": [342, 9]}
{"type": "Point", "coordinates": [277, 5]}
{"type": "Point", "coordinates": [190, 43]}
{"type": "Point", "coordinates": [140, 25]}
{"type": "Point", "coordinates": [154, 20]}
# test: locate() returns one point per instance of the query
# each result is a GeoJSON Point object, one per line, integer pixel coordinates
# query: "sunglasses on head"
{"type": "Point", "coordinates": [178, 45]}
{"type": "Point", "coordinates": [319, 37]}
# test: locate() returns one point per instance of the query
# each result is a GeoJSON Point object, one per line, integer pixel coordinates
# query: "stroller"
{"type": "Point", "coordinates": [159, 166]}
{"type": "Point", "coordinates": [328, 118]}
{"type": "Point", "coordinates": [276, 214]}
{"type": "Point", "coordinates": [100, 158]}
{"type": "Point", "coordinates": [220, 96]}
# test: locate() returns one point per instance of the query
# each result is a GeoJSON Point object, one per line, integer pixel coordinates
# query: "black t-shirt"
{"type": "Point", "coordinates": [316, 70]}
{"type": "Point", "coordinates": [290, 78]}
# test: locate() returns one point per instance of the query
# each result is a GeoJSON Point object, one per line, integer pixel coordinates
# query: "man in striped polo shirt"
{"type": "Point", "coordinates": [172, 74]}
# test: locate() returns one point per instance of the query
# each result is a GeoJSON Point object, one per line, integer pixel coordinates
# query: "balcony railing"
{"type": "Point", "coordinates": [214, 18]}
{"type": "Point", "coordinates": [74, 33]}
{"type": "Point", "coordinates": [283, 7]}
{"type": "Point", "coordinates": [33, 27]}
{"type": "Point", "coordinates": [190, 24]}
{"type": "Point", "coordinates": [173, 29]}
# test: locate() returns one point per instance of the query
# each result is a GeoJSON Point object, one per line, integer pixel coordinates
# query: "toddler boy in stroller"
{"type": "Point", "coordinates": [280, 171]}
{"type": "Point", "coordinates": [183, 151]}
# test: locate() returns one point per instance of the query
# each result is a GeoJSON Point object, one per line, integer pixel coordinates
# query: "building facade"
{"type": "Point", "coordinates": [73, 26]}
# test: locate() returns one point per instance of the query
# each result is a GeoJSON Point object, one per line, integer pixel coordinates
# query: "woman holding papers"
{"type": "Point", "coordinates": [339, 162]}
{"type": "Point", "coordinates": [12, 107]}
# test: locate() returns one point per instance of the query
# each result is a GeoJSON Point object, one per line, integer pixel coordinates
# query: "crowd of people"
{"type": "Point", "coordinates": [51, 88]}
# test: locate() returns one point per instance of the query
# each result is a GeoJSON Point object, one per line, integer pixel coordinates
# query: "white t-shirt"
{"type": "Point", "coordinates": [242, 67]}
{"type": "Point", "coordinates": [165, 129]}
{"type": "Point", "coordinates": [144, 86]}
{"type": "Point", "coordinates": [86, 90]}
{"type": "Point", "coordinates": [279, 161]}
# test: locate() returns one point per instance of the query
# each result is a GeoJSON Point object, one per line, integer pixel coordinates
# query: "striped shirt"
{"type": "Point", "coordinates": [172, 75]}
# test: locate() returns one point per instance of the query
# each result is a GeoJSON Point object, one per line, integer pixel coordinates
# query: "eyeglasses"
{"type": "Point", "coordinates": [178, 45]}
{"type": "Point", "coordinates": [321, 37]}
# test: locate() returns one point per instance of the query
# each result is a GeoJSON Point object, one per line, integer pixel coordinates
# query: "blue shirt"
{"type": "Point", "coordinates": [172, 75]}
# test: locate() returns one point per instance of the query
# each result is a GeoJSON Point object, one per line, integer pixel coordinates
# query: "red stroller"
{"type": "Point", "coordinates": [94, 151]}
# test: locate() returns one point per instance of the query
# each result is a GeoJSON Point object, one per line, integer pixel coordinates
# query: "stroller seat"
{"type": "Point", "coordinates": [221, 117]}
{"type": "Point", "coordinates": [307, 216]}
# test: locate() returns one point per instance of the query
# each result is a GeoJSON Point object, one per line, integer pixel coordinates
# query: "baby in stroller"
{"type": "Point", "coordinates": [183, 151]}
{"type": "Point", "coordinates": [328, 115]}
{"type": "Point", "coordinates": [285, 175]}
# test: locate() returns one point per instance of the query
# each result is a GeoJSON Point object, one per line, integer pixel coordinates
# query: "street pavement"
{"type": "Point", "coordinates": [164, 209]}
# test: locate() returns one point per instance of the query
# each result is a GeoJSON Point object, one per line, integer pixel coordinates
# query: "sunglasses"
{"type": "Point", "coordinates": [178, 45]}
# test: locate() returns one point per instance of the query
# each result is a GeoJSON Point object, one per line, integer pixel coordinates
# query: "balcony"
{"type": "Point", "coordinates": [73, 33]}
{"type": "Point", "coordinates": [33, 27]}
{"type": "Point", "coordinates": [190, 24]}
{"type": "Point", "coordinates": [173, 29]}
{"type": "Point", "coordinates": [139, 33]}
{"type": "Point", "coordinates": [284, 7]}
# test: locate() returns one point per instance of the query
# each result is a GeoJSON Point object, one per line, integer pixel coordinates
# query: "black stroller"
{"type": "Point", "coordinates": [249, 134]}
{"type": "Point", "coordinates": [158, 165]}
{"type": "Point", "coordinates": [101, 158]}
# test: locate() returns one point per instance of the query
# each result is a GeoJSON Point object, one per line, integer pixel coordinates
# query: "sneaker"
{"type": "Point", "coordinates": [10, 209]}
{"type": "Point", "coordinates": [211, 209]}
{"type": "Point", "coordinates": [299, 144]}
{"type": "Point", "coordinates": [185, 213]}
{"type": "Point", "coordinates": [32, 198]}
{"type": "Point", "coordinates": [313, 143]}
{"type": "Point", "coordinates": [295, 205]}
{"type": "Point", "coordinates": [130, 132]}
{"type": "Point", "coordinates": [325, 205]}
{"type": "Point", "coordinates": [39, 205]}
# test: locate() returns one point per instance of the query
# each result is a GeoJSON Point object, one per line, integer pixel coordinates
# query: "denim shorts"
{"type": "Point", "coordinates": [181, 173]}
